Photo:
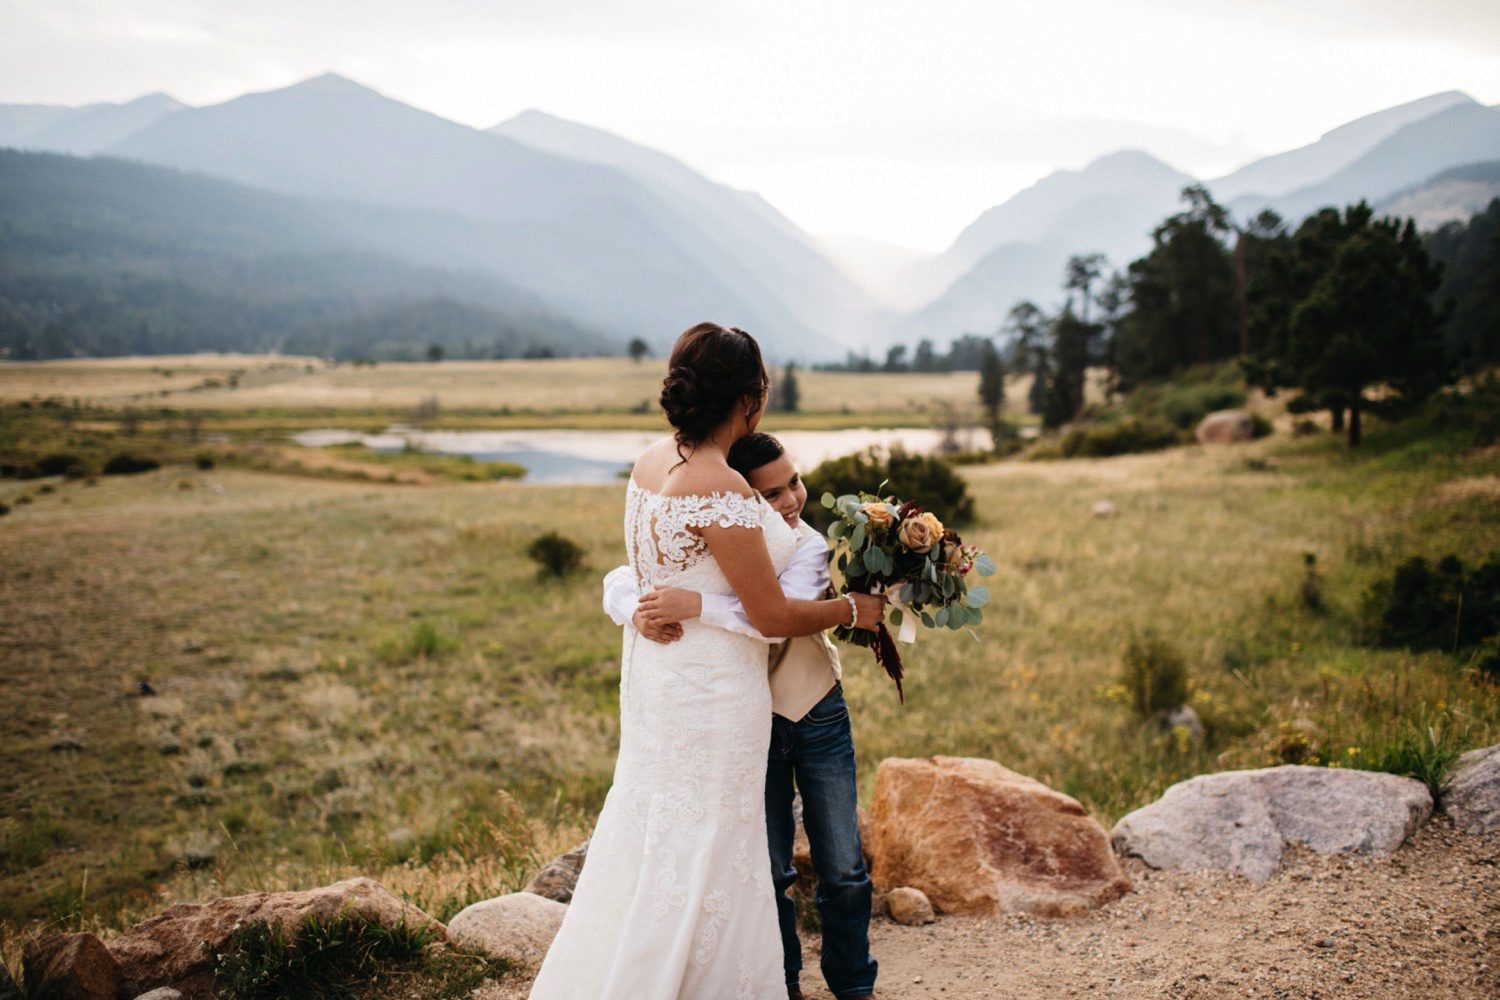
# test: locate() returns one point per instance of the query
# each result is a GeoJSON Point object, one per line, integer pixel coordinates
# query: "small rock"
{"type": "Point", "coordinates": [519, 927]}
{"type": "Point", "coordinates": [557, 877]}
{"type": "Point", "coordinates": [1473, 795]}
{"type": "Point", "coordinates": [1188, 719]}
{"type": "Point", "coordinates": [70, 967]}
{"type": "Point", "coordinates": [1225, 427]}
{"type": "Point", "coordinates": [144, 689]}
{"type": "Point", "coordinates": [1105, 508]}
{"type": "Point", "coordinates": [64, 744]}
{"type": "Point", "coordinates": [161, 993]}
{"type": "Point", "coordinates": [909, 906]}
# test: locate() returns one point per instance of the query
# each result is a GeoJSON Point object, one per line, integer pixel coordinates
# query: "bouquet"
{"type": "Point", "coordinates": [882, 545]}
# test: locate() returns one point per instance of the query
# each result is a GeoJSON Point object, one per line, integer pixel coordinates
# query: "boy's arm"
{"type": "Point", "coordinates": [805, 579]}
{"type": "Point", "coordinates": [621, 594]}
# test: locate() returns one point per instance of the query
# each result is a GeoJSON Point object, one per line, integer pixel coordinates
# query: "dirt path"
{"type": "Point", "coordinates": [1422, 924]}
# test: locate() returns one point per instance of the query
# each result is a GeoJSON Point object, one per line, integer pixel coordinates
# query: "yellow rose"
{"type": "Point", "coordinates": [879, 514]}
{"type": "Point", "coordinates": [920, 533]}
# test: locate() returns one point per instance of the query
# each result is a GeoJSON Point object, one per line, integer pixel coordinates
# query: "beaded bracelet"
{"type": "Point", "coordinates": [853, 609]}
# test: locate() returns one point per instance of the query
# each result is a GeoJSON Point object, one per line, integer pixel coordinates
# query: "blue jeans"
{"type": "Point", "coordinates": [818, 753]}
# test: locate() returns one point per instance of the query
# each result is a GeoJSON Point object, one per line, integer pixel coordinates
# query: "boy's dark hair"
{"type": "Point", "coordinates": [752, 451]}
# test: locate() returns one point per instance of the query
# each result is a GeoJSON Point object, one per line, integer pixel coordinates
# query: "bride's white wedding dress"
{"type": "Point", "coordinates": [675, 898]}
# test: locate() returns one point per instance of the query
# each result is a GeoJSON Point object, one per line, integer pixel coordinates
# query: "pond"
{"type": "Point", "coordinates": [572, 457]}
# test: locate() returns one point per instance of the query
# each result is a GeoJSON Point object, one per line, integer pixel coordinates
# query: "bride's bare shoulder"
{"type": "Point", "coordinates": [661, 469]}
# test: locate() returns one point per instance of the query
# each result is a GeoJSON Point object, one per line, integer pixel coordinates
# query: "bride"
{"type": "Point", "coordinates": [675, 899]}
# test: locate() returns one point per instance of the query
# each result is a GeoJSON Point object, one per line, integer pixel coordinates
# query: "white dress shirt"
{"type": "Point", "coordinates": [805, 578]}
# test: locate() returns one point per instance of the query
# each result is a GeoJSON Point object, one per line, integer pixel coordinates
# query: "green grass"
{"type": "Point", "coordinates": [363, 678]}
{"type": "Point", "coordinates": [339, 957]}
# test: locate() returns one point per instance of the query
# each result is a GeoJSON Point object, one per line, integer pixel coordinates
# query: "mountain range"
{"type": "Point", "coordinates": [586, 239]}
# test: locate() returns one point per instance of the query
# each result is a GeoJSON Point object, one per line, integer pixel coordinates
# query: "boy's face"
{"type": "Point", "coordinates": [781, 485]}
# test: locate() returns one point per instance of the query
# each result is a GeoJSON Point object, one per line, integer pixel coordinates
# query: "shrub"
{"type": "Point", "coordinates": [1185, 405]}
{"type": "Point", "coordinates": [1154, 674]}
{"type": "Point", "coordinates": [1425, 753]}
{"type": "Point", "coordinates": [62, 465]}
{"type": "Point", "coordinates": [556, 555]}
{"type": "Point", "coordinates": [1311, 590]}
{"type": "Point", "coordinates": [1120, 437]}
{"type": "Point", "coordinates": [126, 465]}
{"type": "Point", "coordinates": [1305, 428]}
{"type": "Point", "coordinates": [927, 479]}
{"type": "Point", "coordinates": [261, 961]}
{"type": "Point", "coordinates": [204, 462]}
{"type": "Point", "coordinates": [1423, 606]}
{"type": "Point", "coordinates": [1261, 427]}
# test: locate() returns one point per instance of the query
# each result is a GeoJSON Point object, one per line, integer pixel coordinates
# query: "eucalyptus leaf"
{"type": "Point", "coordinates": [857, 539]}
{"type": "Point", "coordinates": [941, 617]}
{"type": "Point", "coordinates": [855, 568]}
{"type": "Point", "coordinates": [976, 616]}
{"type": "Point", "coordinates": [837, 529]}
{"type": "Point", "coordinates": [956, 623]}
{"type": "Point", "coordinates": [896, 617]}
{"type": "Point", "coordinates": [927, 620]}
{"type": "Point", "coordinates": [985, 565]}
{"type": "Point", "coordinates": [978, 597]}
{"type": "Point", "coordinates": [908, 591]}
{"type": "Point", "coordinates": [874, 559]}
{"type": "Point", "coordinates": [829, 500]}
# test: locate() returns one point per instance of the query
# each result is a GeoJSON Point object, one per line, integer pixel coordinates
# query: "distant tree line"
{"type": "Point", "coordinates": [1360, 314]}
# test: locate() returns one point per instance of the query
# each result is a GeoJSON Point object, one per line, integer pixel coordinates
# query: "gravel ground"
{"type": "Point", "coordinates": [1423, 923]}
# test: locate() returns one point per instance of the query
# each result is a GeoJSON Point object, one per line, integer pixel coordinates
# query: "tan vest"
{"type": "Point", "coordinates": [803, 670]}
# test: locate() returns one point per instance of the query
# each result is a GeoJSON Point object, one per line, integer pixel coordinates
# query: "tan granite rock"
{"type": "Point", "coordinates": [979, 839]}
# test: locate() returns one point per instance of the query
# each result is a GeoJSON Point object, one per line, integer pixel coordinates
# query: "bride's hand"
{"type": "Point", "coordinates": [663, 633]}
{"type": "Point", "coordinates": [870, 608]}
{"type": "Point", "coordinates": [669, 605]}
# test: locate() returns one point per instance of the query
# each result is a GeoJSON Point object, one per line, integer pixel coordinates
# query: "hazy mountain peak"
{"type": "Point", "coordinates": [328, 83]}
{"type": "Point", "coordinates": [1338, 148]}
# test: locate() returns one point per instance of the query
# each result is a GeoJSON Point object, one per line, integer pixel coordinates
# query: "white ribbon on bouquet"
{"type": "Point", "coordinates": [908, 631]}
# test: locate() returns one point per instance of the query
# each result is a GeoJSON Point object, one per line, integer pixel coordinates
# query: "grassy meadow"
{"type": "Point", "coordinates": [254, 392]}
{"type": "Point", "coordinates": [355, 676]}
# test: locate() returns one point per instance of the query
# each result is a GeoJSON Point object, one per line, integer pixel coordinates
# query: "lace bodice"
{"type": "Point", "coordinates": [663, 550]}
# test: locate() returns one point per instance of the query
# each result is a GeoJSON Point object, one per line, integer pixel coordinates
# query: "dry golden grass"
{"type": "Point", "coordinates": [559, 386]}
{"type": "Point", "coordinates": [359, 677]}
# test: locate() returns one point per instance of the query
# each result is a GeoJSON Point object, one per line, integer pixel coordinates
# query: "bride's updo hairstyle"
{"type": "Point", "coordinates": [711, 371]}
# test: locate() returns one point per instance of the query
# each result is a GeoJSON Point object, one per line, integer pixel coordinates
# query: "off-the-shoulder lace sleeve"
{"type": "Point", "coordinates": [659, 527]}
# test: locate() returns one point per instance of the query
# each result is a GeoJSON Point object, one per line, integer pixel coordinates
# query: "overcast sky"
{"type": "Point", "coordinates": [899, 120]}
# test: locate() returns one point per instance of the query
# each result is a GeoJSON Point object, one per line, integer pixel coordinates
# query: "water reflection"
{"type": "Point", "coordinates": [575, 457]}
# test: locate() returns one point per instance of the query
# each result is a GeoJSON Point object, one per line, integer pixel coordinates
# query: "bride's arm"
{"type": "Point", "coordinates": [743, 559]}
{"type": "Point", "coordinates": [805, 578]}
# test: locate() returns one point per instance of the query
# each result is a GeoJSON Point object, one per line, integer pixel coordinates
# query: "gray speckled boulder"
{"type": "Point", "coordinates": [1473, 796]}
{"type": "Point", "coordinates": [1242, 820]}
{"type": "Point", "coordinates": [519, 927]}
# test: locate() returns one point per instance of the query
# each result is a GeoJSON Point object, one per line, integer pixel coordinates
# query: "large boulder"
{"type": "Point", "coordinates": [559, 877]}
{"type": "Point", "coordinates": [979, 839]}
{"type": "Point", "coordinates": [519, 927]}
{"type": "Point", "coordinates": [1242, 820]}
{"type": "Point", "coordinates": [1225, 427]}
{"type": "Point", "coordinates": [169, 949]}
{"type": "Point", "coordinates": [70, 967]}
{"type": "Point", "coordinates": [1473, 796]}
